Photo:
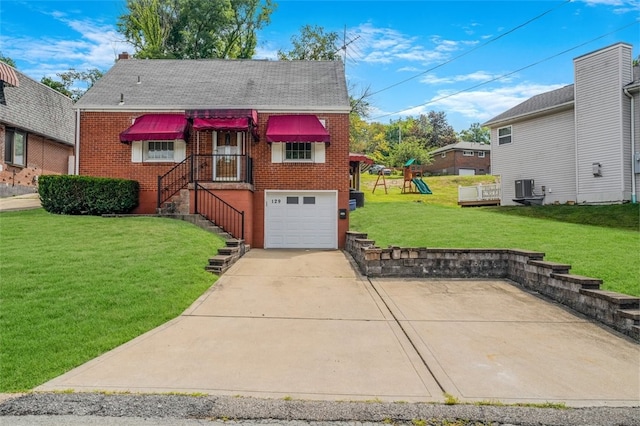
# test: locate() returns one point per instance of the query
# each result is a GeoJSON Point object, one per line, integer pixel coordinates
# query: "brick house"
{"type": "Point", "coordinates": [576, 144]}
{"type": "Point", "coordinates": [462, 158]}
{"type": "Point", "coordinates": [36, 132]}
{"type": "Point", "coordinates": [267, 140]}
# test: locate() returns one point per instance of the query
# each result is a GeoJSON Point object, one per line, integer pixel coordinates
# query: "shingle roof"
{"type": "Point", "coordinates": [217, 83]}
{"type": "Point", "coordinates": [463, 146]}
{"type": "Point", "coordinates": [38, 109]}
{"type": "Point", "coordinates": [536, 104]}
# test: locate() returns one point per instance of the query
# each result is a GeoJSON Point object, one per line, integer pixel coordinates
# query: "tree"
{"type": "Point", "coordinates": [69, 81]}
{"type": "Point", "coordinates": [194, 29]}
{"type": "Point", "coordinates": [477, 134]}
{"type": "Point", "coordinates": [406, 150]}
{"type": "Point", "coordinates": [312, 45]}
{"type": "Point", "coordinates": [7, 60]}
{"type": "Point", "coordinates": [442, 133]}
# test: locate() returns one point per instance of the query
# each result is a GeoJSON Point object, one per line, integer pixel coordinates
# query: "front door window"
{"type": "Point", "coordinates": [226, 156]}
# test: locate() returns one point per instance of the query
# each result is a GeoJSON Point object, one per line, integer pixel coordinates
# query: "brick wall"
{"type": "Point", "coordinates": [525, 268]}
{"type": "Point", "coordinates": [455, 160]}
{"type": "Point", "coordinates": [44, 157]}
{"type": "Point", "coordinates": [102, 154]}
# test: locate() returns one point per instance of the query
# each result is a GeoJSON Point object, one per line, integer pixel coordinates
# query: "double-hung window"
{"type": "Point", "coordinates": [298, 151]}
{"type": "Point", "coordinates": [481, 154]}
{"type": "Point", "coordinates": [504, 135]}
{"type": "Point", "coordinates": [15, 147]}
{"type": "Point", "coordinates": [158, 151]}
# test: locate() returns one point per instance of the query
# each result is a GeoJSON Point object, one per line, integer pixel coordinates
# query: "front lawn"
{"type": "Point", "coordinates": [74, 287]}
{"type": "Point", "coordinates": [605, 243]}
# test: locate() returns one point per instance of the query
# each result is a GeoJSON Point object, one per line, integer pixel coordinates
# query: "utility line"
{"type": "Point", "coordinates": [512, 72]}
{"type": "Point", "coordinates": [475, 48]}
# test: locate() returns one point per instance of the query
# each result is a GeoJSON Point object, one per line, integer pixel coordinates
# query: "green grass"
{"type": "Point", "coordinates": [74, 287]}
{"type": "Point", "coordinates": [597, 241]}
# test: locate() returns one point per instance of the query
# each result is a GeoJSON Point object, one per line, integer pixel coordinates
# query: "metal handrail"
{"type": "Point", "coordinates": [218, 211]}
{"type": "Point", "coordinates": [204, 168]}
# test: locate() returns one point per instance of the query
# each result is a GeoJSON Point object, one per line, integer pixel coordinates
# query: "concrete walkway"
{"type": "Point", "coordinates": [20, 202]}
{"type": "Point", "coordinates": [305, 325]}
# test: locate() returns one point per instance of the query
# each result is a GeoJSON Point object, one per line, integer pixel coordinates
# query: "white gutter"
{"type": "Point", "coordinates": [77, 164]}
{"type": "Point", "coordinates": [634, 199]}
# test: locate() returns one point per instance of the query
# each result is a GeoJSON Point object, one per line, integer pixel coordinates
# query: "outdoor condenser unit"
{"type": "Point", "coordinates": [524, 188]}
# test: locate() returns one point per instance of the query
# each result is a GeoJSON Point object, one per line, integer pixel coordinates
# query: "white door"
{"type": "Point", "coordinates": [466, 172]}
{"type": "Point", "coordinates": [304, 219]}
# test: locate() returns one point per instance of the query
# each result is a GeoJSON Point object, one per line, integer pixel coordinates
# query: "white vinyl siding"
{"type": "Point", "coordinates": [600, 127]}
{"type": "Point", "coordinates": [545, 152]}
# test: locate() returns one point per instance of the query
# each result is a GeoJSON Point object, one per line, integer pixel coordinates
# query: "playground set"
{"type": "Point", "coordinates": [413, 183]}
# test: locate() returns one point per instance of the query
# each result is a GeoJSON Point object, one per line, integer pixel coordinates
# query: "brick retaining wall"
{"type": "Point", "coordinates": [525, 268]}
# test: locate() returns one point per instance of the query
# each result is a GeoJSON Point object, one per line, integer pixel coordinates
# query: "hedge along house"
{"type": "Point", "coordinates": [577, 144]}
{"type": "Point", "coordinates": [258, 147]}
{"type": "Point", "coordinates": [36, 132]}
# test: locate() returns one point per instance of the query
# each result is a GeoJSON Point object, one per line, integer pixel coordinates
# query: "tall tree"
{"type": "Point", "coordinates": [442, 133]}
{"type": "Point", "coordinates": [73, 83]}
{"type": "Point", "coordinates": [194, 29]}
{"type": "Point", "coordinates": [476, 133]}
{"type": "Point", "coordinates": [312, 44]}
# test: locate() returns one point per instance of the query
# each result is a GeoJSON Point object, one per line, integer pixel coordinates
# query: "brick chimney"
{"type": "Point", "coordinates": [124, 55]}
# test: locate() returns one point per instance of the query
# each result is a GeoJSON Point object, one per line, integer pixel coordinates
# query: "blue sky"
{"type": "Point", "coordinates": [470, 59]}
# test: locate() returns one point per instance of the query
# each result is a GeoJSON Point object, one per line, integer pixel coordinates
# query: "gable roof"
{"type": "Point", "coordinates": [553, 99]}
{"type": "Point", "coordinates": [169, 84]}
{"type": "Point", "coordinates": [463, 146]}
{"type": "Point", "coordinates": [38, 109]}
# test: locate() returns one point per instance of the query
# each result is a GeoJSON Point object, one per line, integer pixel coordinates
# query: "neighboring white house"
{"type": "Point", "coordinates": [579, 143]}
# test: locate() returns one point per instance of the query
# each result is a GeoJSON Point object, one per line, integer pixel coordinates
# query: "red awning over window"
{"type": "Point", "coordinates": [157, 127]}
{"type": "Point", "coordinates": [296, 128]}
{"type": "Point", "coordinates": [360, 158]}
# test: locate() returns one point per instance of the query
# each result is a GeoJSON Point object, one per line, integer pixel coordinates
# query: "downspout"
{"type": "Point", "coordinates": [77, 162]}
{"type": "Point", "coordinates": [634, 199]}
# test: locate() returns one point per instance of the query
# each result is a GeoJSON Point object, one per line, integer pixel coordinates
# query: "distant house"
{"type": "Point", "coordinates": [462, 158]}
{"type": "Point", "coordinates": [262, 144]}
{"type": "Point", "coordinates": [577, 144]}
{"type": "Point", "coordinates": [36, 132]}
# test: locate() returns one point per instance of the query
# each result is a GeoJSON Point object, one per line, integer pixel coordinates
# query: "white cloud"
{"type": "Point", "coordinates": [477, 76]}
{"type": "Point", "coordinates": [618, 6]}
{"type": "Point", "coordinates": [481, 105]}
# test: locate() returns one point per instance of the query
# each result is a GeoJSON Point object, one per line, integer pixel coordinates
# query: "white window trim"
{"type": "Point", "coordinates": [481, 154]}
{"type": "Point", "coordinates": [510, 135]}
{"type": "Point", "coordinates": [468, 153]}
{"type": "Point", "coordinates": [443, 155]}
{"type": "Point", "coordinates": [318, 154]}
{"type": "Point", "coordinates": [139, 151]}
{"type": "Point", "coordinates": [12, 161]}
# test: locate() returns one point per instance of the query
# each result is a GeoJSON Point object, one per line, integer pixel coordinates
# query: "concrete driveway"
{"type": "Point", "coordinates": [305, 325]}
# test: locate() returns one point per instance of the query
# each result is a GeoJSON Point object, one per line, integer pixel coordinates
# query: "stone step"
{"type": "Point", "coordinates": [229, 251]}
{"type": "Point", "coordinates": [622, 300]}
{"type": "Point", "coordinates": [633, 314]}
{"type": "Point", "coordinates": [220, 260]}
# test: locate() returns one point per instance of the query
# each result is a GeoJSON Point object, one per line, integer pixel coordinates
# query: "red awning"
{"type": "Point", "coordinates": [232, 124]}
{"type": "Point", "coordinates": [8, 75]}
{"type": "Point", "coordinates": [224, 119]}
{"type": "Point", "coordinates": [158, 127]}
{"type": "Point", "coordinates": [361, 158]}
{"type": "Point", "coordinates": [296, 128]}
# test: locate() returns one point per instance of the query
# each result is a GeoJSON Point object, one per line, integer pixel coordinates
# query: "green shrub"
{"type": "Point", "coordinates": [85, 195]}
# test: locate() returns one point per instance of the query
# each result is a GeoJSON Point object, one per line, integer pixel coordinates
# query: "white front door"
{"type": "Point", "coordinates": [301, 219]}
{"type": "Point", "coordinates": [226, 158]}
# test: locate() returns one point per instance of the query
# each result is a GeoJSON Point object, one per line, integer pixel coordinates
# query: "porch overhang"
{"type": "Point", "coordinates": [156, 127]}
{"type": "Point", "coordinates": [238, 120]}
{"type": "Point", "coordinates": [296, 128]}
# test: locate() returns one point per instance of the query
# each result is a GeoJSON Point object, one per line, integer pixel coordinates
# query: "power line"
{"type": "Point", "coordinates": [475, 48]}
{"type": "Point", "coordinates": [513, 72]}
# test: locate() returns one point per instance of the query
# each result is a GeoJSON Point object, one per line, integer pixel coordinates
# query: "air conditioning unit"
{"type": "Point", "coordinates": [524, 188]}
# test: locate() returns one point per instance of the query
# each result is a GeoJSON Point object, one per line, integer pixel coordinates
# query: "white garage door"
{"type": "Point", "coordinates": [301, 219]}
{"type": "Point", "coordinates": [466, 172]}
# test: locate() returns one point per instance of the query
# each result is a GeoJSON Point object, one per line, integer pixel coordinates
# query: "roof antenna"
{"type": "Point", "coordinates": [139, 80]}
